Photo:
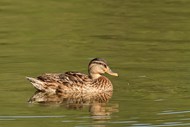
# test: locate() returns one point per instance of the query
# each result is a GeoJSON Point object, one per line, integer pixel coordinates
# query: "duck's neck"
{"type": "Point", "coordinates": [94, 76]}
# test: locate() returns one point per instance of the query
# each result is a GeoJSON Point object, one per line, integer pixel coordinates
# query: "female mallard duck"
{"type": "Point", "coordinates": [75, 81]}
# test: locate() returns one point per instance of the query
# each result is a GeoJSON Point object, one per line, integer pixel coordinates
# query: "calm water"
{"type": "Point", "coordinates": [146, 41]}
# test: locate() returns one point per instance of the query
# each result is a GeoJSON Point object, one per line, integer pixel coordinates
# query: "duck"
{"type": "Point", "coordinates": [69, 82]}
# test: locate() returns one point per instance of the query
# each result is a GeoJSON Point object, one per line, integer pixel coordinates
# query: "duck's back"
{"type": "Point", "coordinates": [65, 82]}
{"type": "Point", "coordinates": [67, 78]}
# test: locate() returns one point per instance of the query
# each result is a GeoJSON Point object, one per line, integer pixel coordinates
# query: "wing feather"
{"type": "Point", "coordinates": [67, 78]}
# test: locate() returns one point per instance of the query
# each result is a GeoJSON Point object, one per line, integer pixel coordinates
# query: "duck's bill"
{"type": "Point", "coordinates": [110, 72]}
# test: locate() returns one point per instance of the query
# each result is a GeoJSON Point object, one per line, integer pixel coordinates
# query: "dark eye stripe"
{"type": "Point", "coordinates": [100, 63]}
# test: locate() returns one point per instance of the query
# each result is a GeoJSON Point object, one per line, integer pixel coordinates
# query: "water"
{"type": "Point", "coordinates": [146, 42]}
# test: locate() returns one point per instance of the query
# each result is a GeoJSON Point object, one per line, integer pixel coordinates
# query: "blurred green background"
{"type": "Point", "coordinates": [145, 41]}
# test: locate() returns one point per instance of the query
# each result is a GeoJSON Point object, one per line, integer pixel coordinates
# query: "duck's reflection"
{"type": "Point", "coordinates": [96, 102]}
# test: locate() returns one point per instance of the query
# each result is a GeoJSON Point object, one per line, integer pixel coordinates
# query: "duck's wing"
{"type": "Point", "coordinates": [73, 82]}
{"type": "Point", "coordinates": [67, 78]}
{"type": "Point", "coordinates": [71, 78]}
{"type": "Point", "coordinates": [49, 77]}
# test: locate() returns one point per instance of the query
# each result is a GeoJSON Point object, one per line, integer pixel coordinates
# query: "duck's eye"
{"type": "Point", "coordinates": [105, 65]}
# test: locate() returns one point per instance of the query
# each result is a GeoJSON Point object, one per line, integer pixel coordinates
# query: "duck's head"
{"type": "Point", "coordinates": [99, 66]}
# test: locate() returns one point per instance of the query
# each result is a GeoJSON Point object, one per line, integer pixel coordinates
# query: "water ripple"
{"type": "Point", "coordinates": [173, 112]}
{"type": "Point", "coordinates": [166, 124]}
{"type": "Point", "coordinates": [27, 117]}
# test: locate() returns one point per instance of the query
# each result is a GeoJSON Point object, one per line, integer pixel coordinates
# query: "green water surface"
{"type": "Point", "coordinates": [147, 42]}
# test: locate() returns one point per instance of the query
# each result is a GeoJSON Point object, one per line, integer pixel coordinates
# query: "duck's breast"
{"type": "Point", "coordinates": [103, 84]}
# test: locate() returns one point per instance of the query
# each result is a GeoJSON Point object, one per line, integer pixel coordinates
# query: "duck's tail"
{"type": "Point", "coordinates": [39, 85]}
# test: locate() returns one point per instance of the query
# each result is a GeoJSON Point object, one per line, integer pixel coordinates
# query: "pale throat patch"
{"type": "Point", "coordinates": [95, 76]}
